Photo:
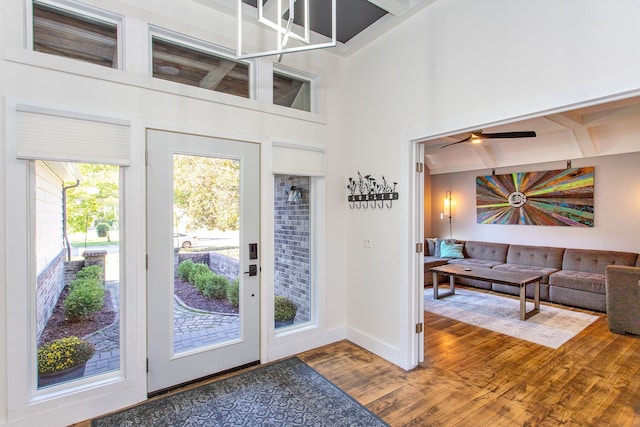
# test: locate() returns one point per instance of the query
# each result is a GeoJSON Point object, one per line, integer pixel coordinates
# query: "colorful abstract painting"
{"type": "Point", "coordinates": [558, 197]}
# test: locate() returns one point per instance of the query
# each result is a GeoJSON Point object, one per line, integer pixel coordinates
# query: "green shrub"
{"type": "Point", "coordinates": [285, 309]}
{"type": "Point", "coordinates": [184, 269]}
{"type": "Point", "coordinates": [102, 227]}
{"type": "Point", "coordinates": [90, 272]}
{"type": "Point", "coordinates": [233, 292]}
{"type": "Point", "coordinates": [196, 270]}
{"type": "Point", "coordinates": [216, 287]}
{"type": "Point", "coordinates": [200, 281]}
{"type": "Point", "coordinates": [86, 296]}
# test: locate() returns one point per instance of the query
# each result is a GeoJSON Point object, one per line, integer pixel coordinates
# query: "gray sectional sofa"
{"type": "Point", "coordinates": [574, 277]}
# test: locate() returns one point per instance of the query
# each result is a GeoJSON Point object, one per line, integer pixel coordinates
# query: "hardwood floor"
{"type": "Point", "coordinates": [475, 377]}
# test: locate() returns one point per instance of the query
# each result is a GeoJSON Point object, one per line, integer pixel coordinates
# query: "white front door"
{"type": "Point", "coordinates": [203, 206]}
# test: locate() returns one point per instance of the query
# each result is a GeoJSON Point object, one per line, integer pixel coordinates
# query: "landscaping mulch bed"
{"type": "Point", "coordinates": [59, 326]}
{"type": "Point", "coordinates": [192, 297]}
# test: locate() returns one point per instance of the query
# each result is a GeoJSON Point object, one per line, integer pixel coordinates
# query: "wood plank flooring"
{"type": "Point", "coordinates": [475, 377]}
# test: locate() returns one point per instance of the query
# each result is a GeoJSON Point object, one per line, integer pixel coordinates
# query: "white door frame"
{"type": "Point", "coordinates": [416, 263]}
{"type": "Point", "coordinates": [168, 369]}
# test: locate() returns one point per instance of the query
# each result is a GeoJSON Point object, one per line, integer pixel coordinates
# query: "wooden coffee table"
{"type": "Point", "coordinates": [510, 278]}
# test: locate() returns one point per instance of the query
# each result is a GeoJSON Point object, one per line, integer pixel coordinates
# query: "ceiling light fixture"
{"type": "Point", "coordinates": [169, 70]}
{"type": "Point", "coordinates": [292, 33]}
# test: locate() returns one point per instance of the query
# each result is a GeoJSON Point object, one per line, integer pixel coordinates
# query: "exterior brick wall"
{"type": "Point", "coordinates": [292, 245]}
{"type": "Point", "coordinates": [96, 258]}
{"type": "Point", "coordinates": [224, 266]}
{"type": "Point", "coordinates": [50, 283]}
{"type": "Point", "coordinates": [219, 264]}
{"type": "Point", "coordinates": [55, 277]}
{"type": "Point", "coordinates": [71, 268]}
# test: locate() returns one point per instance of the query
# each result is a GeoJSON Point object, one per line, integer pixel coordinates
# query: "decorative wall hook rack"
{"type": "Point", "coordinates": [366, 193]}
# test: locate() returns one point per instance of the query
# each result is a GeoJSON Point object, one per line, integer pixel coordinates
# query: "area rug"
{"type": "Point", "coordinates": [552, 327]}
{"type": "Point", "coordinates": [286, 393]}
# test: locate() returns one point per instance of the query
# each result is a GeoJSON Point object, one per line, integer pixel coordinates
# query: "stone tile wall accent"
{"type": "Point", "coordinates": [292, 245]}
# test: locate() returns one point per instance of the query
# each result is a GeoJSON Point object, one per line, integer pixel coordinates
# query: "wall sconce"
{"type": "Point", "coordinates": [447, 205]}
{"type": "Point", "coordinates": [293, 195]}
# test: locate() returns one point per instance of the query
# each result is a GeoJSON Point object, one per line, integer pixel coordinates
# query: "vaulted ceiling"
{"type": "Point", "coordinates": [598, 130]}
{"type": "Point", "coordinates": [358, 22]}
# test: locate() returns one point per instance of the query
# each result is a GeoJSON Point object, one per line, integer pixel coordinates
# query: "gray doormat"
{"type": "Point", "coordinates": [286, 393]}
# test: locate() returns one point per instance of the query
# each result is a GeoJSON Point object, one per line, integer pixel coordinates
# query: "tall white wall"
{"type": "Point", "coordinates": [454, 65]}
{"type": "Point", "coordinates": [36, 78]}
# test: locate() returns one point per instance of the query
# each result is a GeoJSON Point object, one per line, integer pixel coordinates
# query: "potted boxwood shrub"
{"type": "Point", "coordinates": [63, 359]}
{"type": "Point", "coordinates": [284, 311]}
{"type": "Point", "coordinates": [102, 228]}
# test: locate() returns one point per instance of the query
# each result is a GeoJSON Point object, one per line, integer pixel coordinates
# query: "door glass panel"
{"type": "Point", "coordinates": [78, 276]}
{"type": "Point", "coordinates": [292, 236]}
{"type": "Point", "coordinates": [206, 216]}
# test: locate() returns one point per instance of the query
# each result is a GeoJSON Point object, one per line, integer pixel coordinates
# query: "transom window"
{"type": "Point", "coordinates": [194, 67]}
{"type": "Point", "coordinates": [292, 90]}
{"type": "Point", "coordinates": [71, 34]}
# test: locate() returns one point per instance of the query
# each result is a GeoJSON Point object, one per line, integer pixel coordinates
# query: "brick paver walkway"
{"type": "Point", "coordinates": [192, 329]}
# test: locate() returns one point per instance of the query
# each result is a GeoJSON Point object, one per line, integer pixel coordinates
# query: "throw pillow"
{"type": "Point", "coordinates": [430, 246]}
{"type": "Point", "coordinates": [451, 250]}
{"type": "Point", "coordinates": [436, 250]}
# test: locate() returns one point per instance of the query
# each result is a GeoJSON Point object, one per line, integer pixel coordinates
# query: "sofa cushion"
{"type": "Point", "coordinates": [536, 256]}
{"type": "Point", "coordinates": [545, 271]}
{"type": "Point", "coordinates": [579, 280]}
{"type": "Point", "coordinates": [451, 250]}
{"type": "Point", "coordinates": [431, 261]}
{"type": "Point", "coordinates": [496, 252]}
{"type": "Point", "coordinates": [595, 261]}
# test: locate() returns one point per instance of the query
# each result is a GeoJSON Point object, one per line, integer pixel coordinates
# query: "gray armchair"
{"type": "Point", "coordinates": [623, 299]}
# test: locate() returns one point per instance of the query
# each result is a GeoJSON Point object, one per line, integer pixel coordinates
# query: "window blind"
{"type": "Point", "coordinates": [290, 159]}
{"type": "Point", "coordinates": [47, 134]}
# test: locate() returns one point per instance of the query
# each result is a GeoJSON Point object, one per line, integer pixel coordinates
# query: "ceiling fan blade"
{"type": "Point", "coordinates": [525, 134]}
{"type": "Point", "coordinates": [458, 142]}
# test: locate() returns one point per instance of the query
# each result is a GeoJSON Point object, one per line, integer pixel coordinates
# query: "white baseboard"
{"type": "Point", "coordinates": [377, 347]}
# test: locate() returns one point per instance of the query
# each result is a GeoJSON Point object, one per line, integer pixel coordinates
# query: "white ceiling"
{"type": "Point", "coordinates": [599, 130]}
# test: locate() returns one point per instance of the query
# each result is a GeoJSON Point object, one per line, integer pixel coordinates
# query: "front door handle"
{"type": "Point", "coordinates": [253, 270]}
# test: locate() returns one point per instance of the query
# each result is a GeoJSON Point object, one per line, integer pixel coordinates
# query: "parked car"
{"type": "Point", "coordinates": [183, 240]}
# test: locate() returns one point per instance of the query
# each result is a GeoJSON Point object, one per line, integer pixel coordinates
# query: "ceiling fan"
{"type": "Point", "coordinates": [478, 136]}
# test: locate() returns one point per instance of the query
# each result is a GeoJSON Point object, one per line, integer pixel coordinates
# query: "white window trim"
{"type": "Point", "coordinates": [89, 397]}
{"type": "Point", "coordinates": [84, 10]}
{"type": "Point", "coordinates": [300, 75]}
{"type": "Point", "coordinates": [197, 44]}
